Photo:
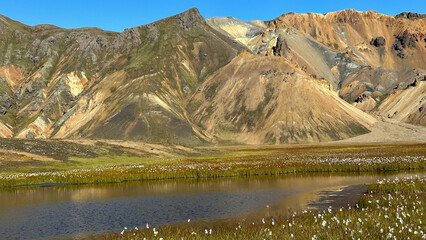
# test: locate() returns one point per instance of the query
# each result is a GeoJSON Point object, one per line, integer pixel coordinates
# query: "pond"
{"type": "Point", "coordinates": [47, 212]}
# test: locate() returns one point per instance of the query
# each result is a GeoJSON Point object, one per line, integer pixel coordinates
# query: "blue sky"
{"type": "Point", "coordinates": [118, 15]}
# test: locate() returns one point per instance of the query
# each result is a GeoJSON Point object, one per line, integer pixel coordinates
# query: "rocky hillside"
{"type": "Point", "coordinates": [188, 80]}
{"type": "Point", "coordinates": [265, 99]}
{"type": "Point", "coordinates": [364, 56]}
{"type": "Point", "coordinates": [72, 83]}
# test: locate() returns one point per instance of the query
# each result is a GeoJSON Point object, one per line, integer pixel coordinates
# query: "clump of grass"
{"type": "Point", "coordinates": [388, 213]}
{"type": "Point", "coordinates": [406, 185]}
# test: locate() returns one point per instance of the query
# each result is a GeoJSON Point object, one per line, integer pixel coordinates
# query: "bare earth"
{"type": "Point", "coordinates": [343, 197]}
{"type": "Point", "coordinates": [385, 130]}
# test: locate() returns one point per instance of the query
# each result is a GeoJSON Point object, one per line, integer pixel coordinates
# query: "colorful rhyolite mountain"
{"type": "Point", "coordinates": [189, 80]}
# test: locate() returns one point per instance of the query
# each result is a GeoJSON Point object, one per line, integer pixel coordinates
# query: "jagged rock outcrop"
{"type": "Point", "coordinates": [189, 19]}
{"type": "Point", "coordinates": [378, 41]}
{"type": "Point", "coordinates": [410, 15]}
{"type": "Point", "coordinates": [281, 48]}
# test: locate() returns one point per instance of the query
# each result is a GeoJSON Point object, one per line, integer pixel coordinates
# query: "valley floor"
{"type": "Point", "coordinates": [391, 208]}
{"type": "Point", "coordinates": [387, 130]}
{"type": "Point", "coordinates": [108, 164]}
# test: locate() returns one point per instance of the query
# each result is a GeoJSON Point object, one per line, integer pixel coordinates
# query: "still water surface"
{"type": "Point", "coordinates": [69, 211]}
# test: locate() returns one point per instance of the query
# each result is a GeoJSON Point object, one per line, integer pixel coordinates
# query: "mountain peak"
{"type": "Point", "coordinates": [185, 20]}
{"type": "Point", "coordinates": [190, 18]}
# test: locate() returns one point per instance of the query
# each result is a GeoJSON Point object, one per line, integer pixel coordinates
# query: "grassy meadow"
{"type": "Point", "coordinates": [215, 163]}
{"type": "Point", "coordinates": [392, 208]}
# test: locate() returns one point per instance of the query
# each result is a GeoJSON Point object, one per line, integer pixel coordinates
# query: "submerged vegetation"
{"type": "Point", "coordinates": [392, 209]}
{"type": "Point", "coordinates": [227, 162]}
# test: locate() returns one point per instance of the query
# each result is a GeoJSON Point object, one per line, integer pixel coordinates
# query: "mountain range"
{"type": "Point", "coordinates": [299, 78]}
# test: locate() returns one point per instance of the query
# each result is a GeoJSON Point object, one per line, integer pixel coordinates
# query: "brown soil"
{"type": "Point", "coordinates": [386, 130]}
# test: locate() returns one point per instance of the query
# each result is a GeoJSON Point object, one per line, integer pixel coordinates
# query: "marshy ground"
{"type": "Point", "coordinates": [59, 162]}
{"type": "Point", "coordinates": [389, 209]}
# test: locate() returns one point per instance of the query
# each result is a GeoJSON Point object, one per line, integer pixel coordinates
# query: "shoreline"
{"type": "Point", "coordinates": [217, 177]}
{"type": "Point", "coordinates": [346, 196]}
{"type": "Point", "coordinates": [372, 216]}
{"type": "Point", "coordinates": [229, 162]}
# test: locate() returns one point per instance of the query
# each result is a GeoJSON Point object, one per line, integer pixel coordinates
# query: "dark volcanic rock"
{"type": "Point", "coordinates": [397, 46]}
{"type": "Point", "coordinates": [378, 41]}
{"type": "Point", "coordinates": [410, 15]}
{"type": "Point", "coordinates": [281, 48]}
{"type": "Point", "coordinates": [401, 54]}
{"type": "Point", "coordinates": [361, 98]}
{"type": "Point", "coordinates": [403, 41]}
{"type": "Point", "coordinates": [413, 83]}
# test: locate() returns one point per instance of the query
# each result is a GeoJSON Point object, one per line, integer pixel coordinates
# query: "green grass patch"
{"type": "Point", "coordinates": [118, 166]}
